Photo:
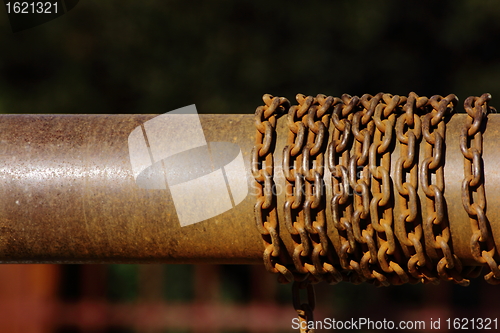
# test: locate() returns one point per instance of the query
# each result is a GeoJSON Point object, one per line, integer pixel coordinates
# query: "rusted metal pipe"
{"type": "Point", "coordinates": [460, 228]}
{"type": "Point", "coordinates": [69, 195]}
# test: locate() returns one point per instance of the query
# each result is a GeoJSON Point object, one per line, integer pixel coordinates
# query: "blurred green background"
{"type": "Point", "coordinates": [155, 56]}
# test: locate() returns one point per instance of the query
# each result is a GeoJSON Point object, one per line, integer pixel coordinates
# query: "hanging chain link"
{"type": "Point", "coordinates": [262, 170]}
{"type": "Point", "coordinates": [305, 198]}
{"type": "Point", "coordinates": [473, 193]}
{"type": "Point", "coordinates": [304, 310]}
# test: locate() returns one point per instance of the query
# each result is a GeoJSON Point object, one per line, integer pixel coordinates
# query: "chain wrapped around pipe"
{"type": "Point", "coordinates": [449, 266]}
{"type": "Point", "coordinates": [386, 222]}
{"type": "Point", "coordinates": [385, 118]}
{"type": "Point", "coordinates": [318, 122]}
{"type": "Point", "coordinates": [294, 188]}
{"type": "Point", "coordinates": [471, 144]}
{"type": "Point", "coordinates": [338, 162]}
{"type": "Point", "coordinates": [408, 224]}
{"type": "Point", "coordinates": [262, 170]}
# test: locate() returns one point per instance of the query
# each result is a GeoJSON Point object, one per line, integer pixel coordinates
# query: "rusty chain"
{"type": "Point", "coordinates": [359, 180]}
{"type": "Point", "coordinates": [338, 163]}
{"type": "Point", "coordinates": [449, 267]}
{"type": "Point", "coordinates": [304, 310]}
{"type": "Point", "coordinates": [262, 170]}
{"type": "Point", "coordinates": [308, 126]}
{"type": "Point", "coordinates": [294, 188]}
{"type": "Point", "coordinates": [473, 193]}
{"type": "Point", "coordinates": [408, 226]}
{"type": "Point", "coordinates": [318, 121]}
{"type": "Point", "coordinates": [380, 235]}
{"type": "Point", "coordinates": [380, 206]}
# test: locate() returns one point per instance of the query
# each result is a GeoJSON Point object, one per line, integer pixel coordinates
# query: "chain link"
{"type": "Point", "coordinates": [318, 121]}
{"type": "Point", "coordinates": [294, 188]}
{"type": "Point", "coordinates": [381, 237]}
{"type": "Point", "coordinates": [339, 157]}
{"type": "Point", "coordinates": [381, 206]}
{"type": "Point", "coordinates": [376, 230]}
{"type": "Point", "coordinates": [436, 226]}
{"type": "Point", "coordinates": [408, 225]}
{"type": "Point", "coordinates": [262, 170]}
{"type": "Point", "coordinates": [304, 310]}
{"type": "Point", "coordinates": [359, 180]}
{"type": "Point", "coordinates": [473, 192]}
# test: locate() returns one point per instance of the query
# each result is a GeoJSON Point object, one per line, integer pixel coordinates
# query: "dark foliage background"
{"type": "Point", "coordinates": [155, 56]}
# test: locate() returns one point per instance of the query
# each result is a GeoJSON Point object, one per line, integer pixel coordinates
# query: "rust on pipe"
{"type": "Point", "coordinates": [460, 228]}
{"type": "Point", "coordinates": [69, 195]}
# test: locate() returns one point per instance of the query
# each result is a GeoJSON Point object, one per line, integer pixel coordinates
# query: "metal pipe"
{"type": "Point", "coordinates": [460, 228]}
{"type": "Point", "coordinates": [69, 195]}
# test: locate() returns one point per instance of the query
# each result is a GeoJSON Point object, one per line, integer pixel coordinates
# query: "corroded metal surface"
{"type": "Point", "coordinates": [69, 196]}
{"type": "Point", "coordinates": [266, 211]}
{"type": "Point", "coordinates": [389, 209]}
